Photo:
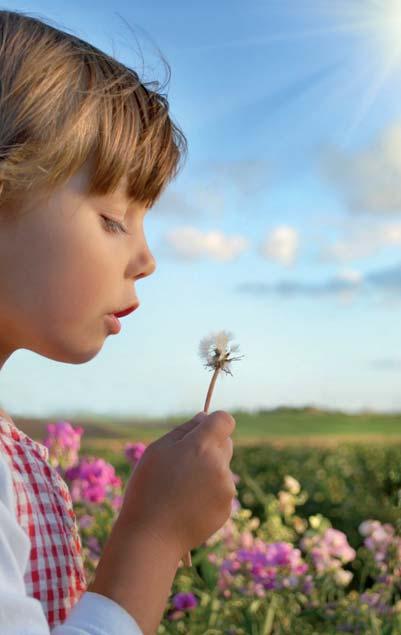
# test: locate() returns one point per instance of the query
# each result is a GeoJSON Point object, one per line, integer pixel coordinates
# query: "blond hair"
{"type": "Point", "coordinates": [63, 101]}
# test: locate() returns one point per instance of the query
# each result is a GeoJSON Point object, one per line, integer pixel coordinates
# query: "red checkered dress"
{"type": "Point", "coordinates": [55, 572]}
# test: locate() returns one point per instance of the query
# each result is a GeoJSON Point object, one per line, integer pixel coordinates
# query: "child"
{"type": "Point", "coordinates": [85, 150]}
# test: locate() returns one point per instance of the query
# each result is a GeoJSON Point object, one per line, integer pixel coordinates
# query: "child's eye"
{"type": "Point", "coordinates": [113, 225]}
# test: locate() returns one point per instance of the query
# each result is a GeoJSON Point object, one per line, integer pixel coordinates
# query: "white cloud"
{"type": "Point", "coordinates": [191, 243]}
{"type": "Point", "coordinates": [350, 275]}
{"type": "Point", "coordinates": [383, 284]}
{"type": "Point", "coordinates": [370, 179]}
{"type": "Point", "coordinates": [351, 281]}
{"type": "Point", "coordinates": [281, 245]}
{"type": "Point", "coordinates": [362, 241]}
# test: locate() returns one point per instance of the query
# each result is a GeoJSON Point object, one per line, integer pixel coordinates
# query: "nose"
{"type": "Point", "coordinates": [149, 263]}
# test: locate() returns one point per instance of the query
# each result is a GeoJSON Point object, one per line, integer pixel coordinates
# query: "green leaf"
{"type": "Point", "coordinates": [209, 573]}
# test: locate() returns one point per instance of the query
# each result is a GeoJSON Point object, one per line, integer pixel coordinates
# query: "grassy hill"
{"type": "Point", "coordinates": [287, 425]}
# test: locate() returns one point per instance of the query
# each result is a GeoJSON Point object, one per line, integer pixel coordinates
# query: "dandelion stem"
{"type": "Point", "coordinates": [210, 391]}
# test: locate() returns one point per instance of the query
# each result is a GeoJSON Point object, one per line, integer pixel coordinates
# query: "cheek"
{"type": "Point", "coordinates": [68, 280]}
{"type": "Point", "coordinates": [84, 287]}
{"type": "Point", "coordinates": [68, 325]}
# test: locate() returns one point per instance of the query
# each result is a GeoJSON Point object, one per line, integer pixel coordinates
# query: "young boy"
{"type": "Point", "coordinates": [85, 150]}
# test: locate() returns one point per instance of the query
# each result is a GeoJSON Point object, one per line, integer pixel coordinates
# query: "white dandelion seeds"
{"type": "Point", "coordinates": [216, 350]}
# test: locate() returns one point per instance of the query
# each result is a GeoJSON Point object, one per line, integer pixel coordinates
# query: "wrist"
{"type": "Point", "coordinates": [151, 538]}
{"type": "Point", "coordinates": [137, 570]}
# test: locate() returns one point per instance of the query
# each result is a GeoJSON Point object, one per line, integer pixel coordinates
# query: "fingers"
{"type": "Point", "coordinates": [227, 449]}
{"type": "Point", "coordinates": [179, 432]}
{"type": "Point", "coordinates": [219, 425]}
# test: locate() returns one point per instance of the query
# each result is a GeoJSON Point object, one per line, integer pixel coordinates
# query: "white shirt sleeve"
{"type": "Point", "coordinates": [93, 614]}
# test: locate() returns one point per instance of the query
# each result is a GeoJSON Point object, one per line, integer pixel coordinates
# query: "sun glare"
{"type": "Point", "coordinates": [386, 26]}
{"type": "Point", "coordinates": [375, 27]}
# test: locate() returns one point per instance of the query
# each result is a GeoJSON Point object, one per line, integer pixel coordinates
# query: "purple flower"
{"type": "Point", "coordinates": [94, 546]}
{"type": "Point", "coordinates": [385, 546]}
{"type": "Point", "coordinates": [308, 585]}
{"type": "Point", "coordinates": [283, 554]}
{"type": "Point", "coordinates": [378, 538]}
{"type": "Point", "coordinates": [376, 602]}
{"type": "Point", "coordinates": [133, 452]}
{"type": "Point", "coordinates": [267, 566]}
{"type": "Point", "coordinates": [92, 480]}
{"type": "Point", "coordinates": [184, 601]}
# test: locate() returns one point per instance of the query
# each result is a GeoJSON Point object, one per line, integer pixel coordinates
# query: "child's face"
{"type": "Point", "coordinates": [62, 271]}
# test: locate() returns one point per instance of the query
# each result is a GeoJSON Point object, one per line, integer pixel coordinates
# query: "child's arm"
{"type": "Point", "coordinates": [20, 614]}
{"type": "Point", "coordinates": [137, 570]}
{"type": "Point", "coordinates": [178, 495]}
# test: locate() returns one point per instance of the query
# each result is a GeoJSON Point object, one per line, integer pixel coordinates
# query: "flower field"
{"type": "Point", "coordinates": [313, 544]}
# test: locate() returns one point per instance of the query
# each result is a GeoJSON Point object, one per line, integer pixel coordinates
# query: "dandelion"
{"type": "Point", "coordinates": [215, 349]}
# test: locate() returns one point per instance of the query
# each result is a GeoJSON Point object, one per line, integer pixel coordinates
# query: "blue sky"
{"type": "Point", "coordinates": [284, 226]}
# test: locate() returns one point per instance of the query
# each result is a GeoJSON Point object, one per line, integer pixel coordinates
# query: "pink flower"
{"type": "Point", "coordinates": [93, 480]}
{"type": "Point", "coordinates": [381, 540]}
{"type": "Point", "coordinates": [63, 443]}
{"type": "Point", "coordinates": [86, 521]}
{"type": "Point", "coordinates": [246, 540]}
{"type": "Point", "coordinates": [134, 451]}
{"type": "Point", "coordinates": [235, 505]}
{"type": "Point", "coordinates": [337, 544]}
{"type": "Point", "coordinates": [117, 502]}
{"type": "Point", "coordinates": [328, 552]}
{"type": "Point", "coordinates": [368, 526]}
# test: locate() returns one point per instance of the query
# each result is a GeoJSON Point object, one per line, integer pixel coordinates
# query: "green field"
{"type": "Point", "coordinates": [282, 425]}
{"type": "Point", "coordinates": [349, 465]}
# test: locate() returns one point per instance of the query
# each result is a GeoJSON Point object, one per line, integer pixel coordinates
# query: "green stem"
{"type": "Point", "coordinates": [269, 619]}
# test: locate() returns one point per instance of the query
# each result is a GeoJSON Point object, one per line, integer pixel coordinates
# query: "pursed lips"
{"type": "Point", "coordinates": [127, 311]}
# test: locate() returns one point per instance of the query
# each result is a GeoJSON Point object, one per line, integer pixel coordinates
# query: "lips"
{"type": "Point", "coordinates": [127, 311]}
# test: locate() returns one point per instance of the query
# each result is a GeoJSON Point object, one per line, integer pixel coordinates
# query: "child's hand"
{"type": "Point", "coordinates": [181, 490]}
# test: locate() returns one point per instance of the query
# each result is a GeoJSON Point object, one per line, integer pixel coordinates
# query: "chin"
{"type": "Point", "coordinates": [68, 355]}
{"type": "Point", "coordinates": [80, 357]}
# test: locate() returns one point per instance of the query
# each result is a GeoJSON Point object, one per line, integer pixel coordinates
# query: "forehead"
{"type": "Point", "coordinates": [122, 189]}
{"type": "Point", "coordinates": [120, 194]}
{"type": "Point", "coordinates": [118, 198]}
{"type": "Point", "coordinates": [81, 179]}
{"type": "Point", "coordinates": [122, 185]}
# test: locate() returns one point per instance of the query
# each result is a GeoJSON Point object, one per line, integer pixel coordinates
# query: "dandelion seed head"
{"type": "Point", "coordinates": [215, 349]}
